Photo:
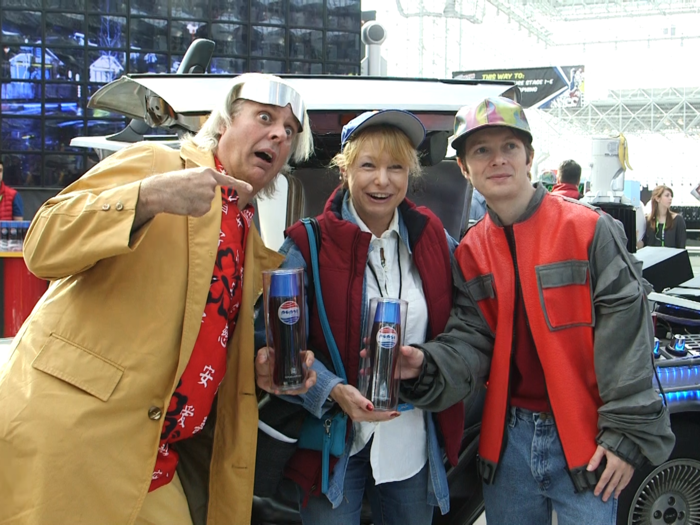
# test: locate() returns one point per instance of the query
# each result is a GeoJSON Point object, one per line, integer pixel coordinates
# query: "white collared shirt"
{"type": "Point", "coordinates": [399, 449]}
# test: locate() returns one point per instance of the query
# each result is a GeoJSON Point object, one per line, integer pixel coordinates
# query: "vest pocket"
{"type": "Point", "coordinates": [79, 367]}
{"type": "Point", "coordinates": [565, 294]}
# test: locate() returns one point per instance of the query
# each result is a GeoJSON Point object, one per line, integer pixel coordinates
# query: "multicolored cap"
{"type": "Point", "coordinates": [495, 111]}
{"type": "Point", "coordinates": [404, 120]}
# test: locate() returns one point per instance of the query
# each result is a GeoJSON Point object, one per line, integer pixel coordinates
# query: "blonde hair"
{"type": "Point", "coordinates": [381, 138]}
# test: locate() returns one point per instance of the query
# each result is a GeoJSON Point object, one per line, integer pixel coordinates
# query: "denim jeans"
{"type": "Point", "coordinates": [396, 503]}
{"type": "Point", "coordinates": [532, 479]}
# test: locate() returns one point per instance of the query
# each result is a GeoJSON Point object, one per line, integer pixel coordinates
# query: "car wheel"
{"type": "Point", "coordinates": [670, 492]}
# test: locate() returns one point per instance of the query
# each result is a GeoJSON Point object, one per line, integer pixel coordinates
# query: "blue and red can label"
{"type": "Point", "coordinates": [387, 337]}
{"type": "Point", "coordinates": [289, 312]}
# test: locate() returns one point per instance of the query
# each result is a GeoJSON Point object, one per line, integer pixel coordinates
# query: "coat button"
{"type": "Point", "coordinates": [119, 206]}
{"type": "Point", "coordinates": [155, 413]}
{"type": "Point", "coordinates": [105, 206]}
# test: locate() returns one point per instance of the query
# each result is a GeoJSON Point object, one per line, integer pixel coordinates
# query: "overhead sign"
{"type": "Point", "coordinates": [541, 87]}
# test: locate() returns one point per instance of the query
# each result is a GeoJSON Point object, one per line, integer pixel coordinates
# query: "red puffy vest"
{"type": "Point", "coordinates": [551, 251]}
{"type": "Point", "coordinates": [342, 263]}
{"type": "Point", "coordinates": [8, 197]}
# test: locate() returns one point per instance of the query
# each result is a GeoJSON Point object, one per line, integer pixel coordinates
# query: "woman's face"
{"type": "Point", "coordinates": [377, 183]}
{"type": "Point", "coordinates": [665, 200]}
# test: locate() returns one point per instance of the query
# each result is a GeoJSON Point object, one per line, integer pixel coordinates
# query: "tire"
{"type": "Point", "coordinates": [669, 493]}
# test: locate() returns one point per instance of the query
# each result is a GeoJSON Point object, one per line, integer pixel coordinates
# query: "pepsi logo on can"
{"type": "Point", "coordinates": [289, 312]}
{"type": "Point", "coordinates": [387, 337]}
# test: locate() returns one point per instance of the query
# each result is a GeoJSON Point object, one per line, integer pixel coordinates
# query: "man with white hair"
{"type": "Point", "coordinates": [145, 336]}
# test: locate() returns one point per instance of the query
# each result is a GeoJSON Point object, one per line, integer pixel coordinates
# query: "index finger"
{"type": "Point", "coordinates": [231, 182]}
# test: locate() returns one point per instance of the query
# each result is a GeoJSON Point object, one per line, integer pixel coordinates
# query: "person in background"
{"type": "Point", "coordinates": [143, 344]}
{"type": "Point", "coordinates": [375, 242]}
{"type": "Point", "coordinates": [478, 206]}
{"type": "Point", "coordinates": [664, 227]}
{"type": "Point", "coordinates": [568, 179]}
{"type": "Point", "coordinates": [11, 205]}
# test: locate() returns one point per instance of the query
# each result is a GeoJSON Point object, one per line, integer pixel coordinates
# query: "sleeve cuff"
{"type": "Point", "coordinates": [622, 447]}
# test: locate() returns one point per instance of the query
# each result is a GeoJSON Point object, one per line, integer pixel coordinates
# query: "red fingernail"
{"type": "Point", "coordinates": [370, 407]}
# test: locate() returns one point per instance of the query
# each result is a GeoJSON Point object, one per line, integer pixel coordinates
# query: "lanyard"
{"type": "Point", "coordinates": [663, 231]}
{"type": "Point", "coordinates": [374, 273]}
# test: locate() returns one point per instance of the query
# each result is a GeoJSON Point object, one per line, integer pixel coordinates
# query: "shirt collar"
{"type": "Point", "coordinates": [393, 225]}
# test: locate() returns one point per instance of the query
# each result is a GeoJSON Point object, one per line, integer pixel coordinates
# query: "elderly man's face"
{"type": "Point", "coordinates": [258, 143]}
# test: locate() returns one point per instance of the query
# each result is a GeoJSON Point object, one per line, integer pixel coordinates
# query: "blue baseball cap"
{"type": "Point", "coordinates": [405, 121]}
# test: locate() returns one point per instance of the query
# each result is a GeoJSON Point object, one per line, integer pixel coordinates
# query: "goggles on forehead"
{"type": "Point", "coordinates": [270, 91]}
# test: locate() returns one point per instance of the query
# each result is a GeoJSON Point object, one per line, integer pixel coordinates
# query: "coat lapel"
{"type": "Point", "coordinates": [202, 242]}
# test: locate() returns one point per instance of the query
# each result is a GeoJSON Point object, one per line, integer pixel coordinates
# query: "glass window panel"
{"type": "Point", "coordinates": [22, 169]}
{"type": "Point", "coordinates": [344, 14]}
{"type": "Point", "coordinates": [66, 5]}
{"type": "Point", "coordinates": [230, 39]}
{"type": "Point", "coordinates": [61, 170]}
{"type": "Point", "coordinates": [108, 6]}
{"type": "Point", "coordinates": [105, 127]}
{"type": "Point", "coordinates": [59, 132]}
{"type": "Point", "coordinates": [21, 98]}
{"type": "Point", "coordinates": [306, 43]}
{"type": "Point", "coordinates": [105, 66]}
{"type": "Point", "coordinates": [268, 66]}
{"type": "Point", "coordinates": [63, 99]}
{"type": "Point", "coordinates": [21, 27]}
{"type": "Point", "coordinates": [228, 65]}
{"type": "Point", "coordinates": [27, 4]}
{"type": "Point", "coordinates": [307, 13]}
{"type": "Point", "coordinates": [189, 8]}
{"type": "Point", "coordinates": [227, 11]}
{"type": "Point", "coordinates": [268, 12]}
{"type": "Point", "coordinates": [149, 8]}
{"type": "Point", "coordinates": [184, 32]}
{"type": "Point", "coordinates": [107, 31]}
{"type": "Point", "coordinates": [342, 69]}
{"type": "Point", "coordinates": [65, 63]}
{"type": "Point", "coordinates": [65, 29]}
{"type": "Point", "coordinates": [148, 63]}
{"type": "Point", "coordinates": [343, 46]}
{"type": "Point", "coordinates": [149, 33]}
{"type": "Point", "coordinates": [21, 63]}
{"type": "Point", "coordinates": [20, 133]}
{"type": "Point", "coordinates": [268, 41]}
{"type": "Point", "coordinates": [306, 68]}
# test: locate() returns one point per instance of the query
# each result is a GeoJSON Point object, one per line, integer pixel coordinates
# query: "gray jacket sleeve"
{"type": "Point", "coordinates": [457, 362]}
{"type": "Point", "coordinates": [633, 423]}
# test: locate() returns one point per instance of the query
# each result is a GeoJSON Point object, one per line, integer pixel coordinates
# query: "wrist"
{"type": "Point", "coordinates": [335, 392]}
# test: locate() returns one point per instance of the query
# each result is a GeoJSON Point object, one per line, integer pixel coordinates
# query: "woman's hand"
{"type": "Point", "coordinates": [357, 407]}
{"type": "Point", "coordinates": [264, 363]}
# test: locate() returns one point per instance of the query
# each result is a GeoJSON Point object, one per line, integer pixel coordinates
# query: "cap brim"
{"type": "Point", "coordinates": [406, 122]}
{"type": "Point", "coordinates": [457, 142]}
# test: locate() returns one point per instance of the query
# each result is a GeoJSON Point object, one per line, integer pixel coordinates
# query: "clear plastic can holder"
{"type": "Point", "coordinates": [384, 337]}
{"type": "Point", "coordinates": [285, 326]}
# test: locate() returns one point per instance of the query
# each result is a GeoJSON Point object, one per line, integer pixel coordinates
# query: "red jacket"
{"type": "Point", "coordinates": [557, 292]}
{"type": "Point", "coordinates": [342, 262]}
{"type": "Point", "coordinates": [7, 197]}
{"type": "Point", "coordinates": [566, 190]}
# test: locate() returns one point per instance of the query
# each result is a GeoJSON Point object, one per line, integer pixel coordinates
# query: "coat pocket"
{"type": "Point", "coordinates": [79, 367]}
{"type": "Point", "coordinates": [565, 294]}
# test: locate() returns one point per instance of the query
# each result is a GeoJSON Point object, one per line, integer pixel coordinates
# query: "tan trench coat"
{"type": "Point", "coordinates": [93, 368]}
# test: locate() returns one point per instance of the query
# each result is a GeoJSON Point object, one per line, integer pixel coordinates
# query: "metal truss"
{"type": "Point", "coordinates": [469, 10]}
{"type": "Point", "coordinates": [575, 10]}
{"type": "Point", "coordinates": [639, 111]}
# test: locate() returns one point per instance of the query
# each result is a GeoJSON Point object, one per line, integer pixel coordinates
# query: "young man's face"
{"type": "Point", "coordinates": [495, 161]}
{"type": "Point", "coordinates": [257, 144]}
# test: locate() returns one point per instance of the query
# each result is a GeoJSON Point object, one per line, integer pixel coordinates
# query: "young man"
{"type": "Point", "coordinates": [570, 407]}
{"type": "Point", "coordinates": [568, 179]}
{"type": "Point", "coordinates": [11, 205]}
{"type": "Point", "coordinates": [115, 374]}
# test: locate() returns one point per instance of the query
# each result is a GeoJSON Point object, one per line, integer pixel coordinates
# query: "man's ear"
{"type": "Point", "coordinates": [463, 169]}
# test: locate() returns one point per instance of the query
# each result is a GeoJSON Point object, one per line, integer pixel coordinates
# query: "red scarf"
{"type": "Point", "coordinates": [192, 400]}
